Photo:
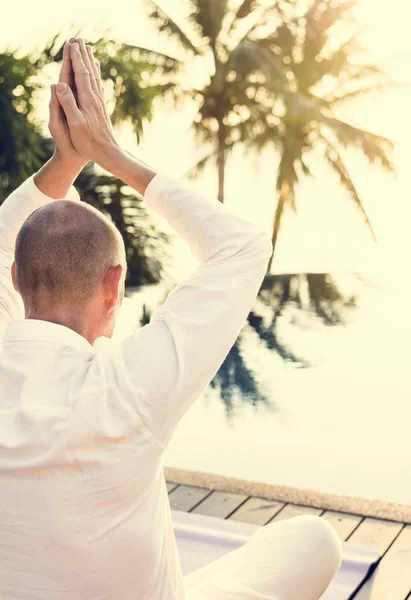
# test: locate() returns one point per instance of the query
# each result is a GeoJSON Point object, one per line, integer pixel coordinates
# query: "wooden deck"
{"type": "Point", "coordinates": [390, 581]}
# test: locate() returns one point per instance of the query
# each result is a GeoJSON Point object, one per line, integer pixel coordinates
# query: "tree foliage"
{"type": "Point", "coordinates": [323, 72]}
{"type": "Point", "coordinates": [221, 35]}
{"type": "Point", "coordinates": [20, 150]}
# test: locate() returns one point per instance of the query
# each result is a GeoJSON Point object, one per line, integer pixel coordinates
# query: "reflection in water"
{"type": "Point", "coordinates": [316, 294]}
{"type": "Point", "coordinates": [342, 424]}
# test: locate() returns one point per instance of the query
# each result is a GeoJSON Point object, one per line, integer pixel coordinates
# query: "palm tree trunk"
{"type": "Point", "coordinates": [277, 220]}
{"type": "Point", "coordinates": [221, 156]}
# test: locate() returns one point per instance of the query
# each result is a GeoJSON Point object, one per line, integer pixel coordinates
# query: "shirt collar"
{"type": "Point", "coordinates": [44, 331]}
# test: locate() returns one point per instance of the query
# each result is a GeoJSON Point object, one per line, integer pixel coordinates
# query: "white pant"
{"type": "Point", "coordinates": [293, 559]}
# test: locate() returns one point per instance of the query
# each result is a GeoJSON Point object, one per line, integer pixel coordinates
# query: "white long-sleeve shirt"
{"type": "Point", "coordinates": [83, 429]}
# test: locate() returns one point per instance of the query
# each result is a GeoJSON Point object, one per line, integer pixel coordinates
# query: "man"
{"type": "Point", "coordinates": [84, 421]}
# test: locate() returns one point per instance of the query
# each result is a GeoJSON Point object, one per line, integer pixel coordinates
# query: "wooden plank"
{"type": "Point", "coordinates": [295, 510]}
{"type": "Point", "coordinates": [343, 523]}
{"type": "Point", "coordinates": [220, 504]}
{"type": "Point", "coordinates": [257, 511]}
{"type": "Point", "coordinates": [186, 497]}
{"type": "Point", "coordinates": [376, 534]}
{"type": "Point", "coordinates": [392, 578]}
{"type": "Point", "coordinates": [171, 486]}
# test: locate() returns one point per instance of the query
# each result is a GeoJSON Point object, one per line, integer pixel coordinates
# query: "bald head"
{"type": "Point", "coordinates": [62, 251]}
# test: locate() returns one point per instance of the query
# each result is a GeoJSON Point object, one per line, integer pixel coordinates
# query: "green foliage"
{"type": "Point", "coordinates": [20, 152]}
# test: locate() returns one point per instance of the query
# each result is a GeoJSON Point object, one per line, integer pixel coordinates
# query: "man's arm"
{"type": "Point", "coordinates": [52, 181]}
{"type": "Point", "coordinates": [170, 361]}
{"type": "Point", "coordinates": [165, 365]}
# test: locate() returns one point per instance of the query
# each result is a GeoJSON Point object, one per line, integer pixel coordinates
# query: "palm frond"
{"type": "Point", "coordinates": [168, 64]}
{"type": "Point", "coordinates": [268, 335]}
{"type": "Point", "coordinates": [312, 69]}
{"type": "Point", "coordinates": [367, 90]}
{"type": "Point", "coordinates": [209, 15]}
{"type": "Point", "coordinates": [166, 24]}
{"type": "Point", "coordinates": [199, 167]}
{"type": "Point", "coordinates": [254, 55]}
{"type": "Point", "coordinates": [246, 8]}
{"type": "Point", "coordinates": [320, 17]}
{"type": "Point", "coordinates": [376, 148]}
{"type": "Point", "coordinates": [244, 11]}
{"type": "Point", "coordinates": [358, 75]}
{"type": "Point", "coordinates": [337, 165]}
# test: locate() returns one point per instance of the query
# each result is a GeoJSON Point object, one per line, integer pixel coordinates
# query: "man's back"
{"type": "Point", "coordinates": [82, 494]}
{"type": "Point", "coordinates": [83, 428]}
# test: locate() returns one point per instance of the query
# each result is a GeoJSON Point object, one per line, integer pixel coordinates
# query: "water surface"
{"type": "Point", "coordinates": [339, 425]}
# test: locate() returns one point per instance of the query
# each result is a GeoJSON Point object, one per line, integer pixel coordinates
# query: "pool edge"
{"type": "Point", "coordinates": [366, 507]}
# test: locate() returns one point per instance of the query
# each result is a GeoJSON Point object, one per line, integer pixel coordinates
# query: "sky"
{"type": "Point", "coordinates": [327, 234]}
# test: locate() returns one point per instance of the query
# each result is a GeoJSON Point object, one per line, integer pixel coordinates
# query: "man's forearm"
{"type": "Point", "coordinates": [133, 172]}
{"type": "Point", "coordinates": [57, 176]}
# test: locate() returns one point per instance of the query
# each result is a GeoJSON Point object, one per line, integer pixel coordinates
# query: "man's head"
{"type": "Point", "coordinates": [70, 268]}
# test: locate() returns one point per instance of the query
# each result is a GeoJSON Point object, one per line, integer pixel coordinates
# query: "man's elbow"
{"type": "Point", "coordinates": [265, 245]}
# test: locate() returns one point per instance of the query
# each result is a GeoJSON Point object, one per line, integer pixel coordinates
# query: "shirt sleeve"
{"type": "Point", "coordinates": [171, 360]}
{"type": "Point", "coordinates": [13, 212]}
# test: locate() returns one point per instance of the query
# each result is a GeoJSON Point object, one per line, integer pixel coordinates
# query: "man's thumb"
{"type": "Point", "coordinates": [68, 102]}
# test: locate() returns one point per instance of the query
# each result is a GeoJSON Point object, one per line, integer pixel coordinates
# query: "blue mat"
{"type": "Point", "coordinates": [202, 539]}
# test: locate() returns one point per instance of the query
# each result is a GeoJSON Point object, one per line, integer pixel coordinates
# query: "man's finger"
{"type": "Point", "coordinates": [97, 70]}
{"type": "Point", "coordinates": [81, 75]}
{"type": "Point", "coordinates": [94, 80]}
{"type": "Point", "coordinates": [68, 103]}
{"type": "Point", "coordinates": [85, 54]}
{"type": "Point", "coordinates": [55, 108]}
{"type": "Point", "coordinates": [95, 66]}
{"type": "Point", "coordinates": [86, 59]}
{"type": "Point", "coordinates": [66, 73]}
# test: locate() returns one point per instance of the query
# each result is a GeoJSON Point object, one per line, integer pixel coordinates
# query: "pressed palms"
{"type": "Point", "coordinates": [135, 76]}
{"type": "Point", "coordinates": [302, 115]}
{"type": "Point", "coordinates": [220, 36]}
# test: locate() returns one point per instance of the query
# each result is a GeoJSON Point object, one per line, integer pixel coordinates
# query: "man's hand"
{"type": "Point", "coordinates": [89, 125]}
{"type": "Point", "coordinates": [65, 151]}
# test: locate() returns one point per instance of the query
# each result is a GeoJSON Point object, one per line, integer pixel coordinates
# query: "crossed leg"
{"type": "Point", "coordinates": [293, 559]}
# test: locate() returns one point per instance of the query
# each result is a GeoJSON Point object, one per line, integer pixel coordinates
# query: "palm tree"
{"type": "Point", "coordinates": [220, 35]}
{"type": "Point", "coordinates": [301, 117]}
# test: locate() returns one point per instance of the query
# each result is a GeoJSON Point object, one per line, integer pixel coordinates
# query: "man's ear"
{"type": "Point", "coordinates": [111, 281]}
{"type": "Point", "coordinates": [14, 277]}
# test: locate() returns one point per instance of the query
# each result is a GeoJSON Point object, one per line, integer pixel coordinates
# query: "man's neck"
{"type": "Point", "coordinates": [71, 320]}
